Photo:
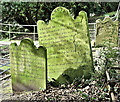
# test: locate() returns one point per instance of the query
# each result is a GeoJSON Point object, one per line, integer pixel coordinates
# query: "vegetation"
{"type": "Point", "coordinates": [28, 13]}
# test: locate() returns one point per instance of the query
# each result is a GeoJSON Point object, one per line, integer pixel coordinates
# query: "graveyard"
{"type": "Point", "coordinates": [61, 61]}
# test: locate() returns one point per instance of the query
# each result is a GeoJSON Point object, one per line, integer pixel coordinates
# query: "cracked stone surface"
{"type": "Point", "coordinates": [68, 45]}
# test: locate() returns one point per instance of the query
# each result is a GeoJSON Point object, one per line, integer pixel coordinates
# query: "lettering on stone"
{"type": "Point", "coordinates": [106, 32]}
{"type": "Point", "coordinates": [28, 66]}
{"type": "Point", "coordinates": [68, 45]}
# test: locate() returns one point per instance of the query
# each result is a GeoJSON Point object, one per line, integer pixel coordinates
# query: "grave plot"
{"type": "Point", "coordinates": [28, 66]}
{"type": "Point", "coordinates": [67, 41]}
{"type": "Point", "coordinates": [106, 32]}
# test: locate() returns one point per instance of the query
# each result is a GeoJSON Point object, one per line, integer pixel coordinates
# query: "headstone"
{"type": "Point", "coordinates": [68, 45]}
{"type": "Point", "coordinates": [106, 32]}
{"type": "Point", "coordinates": [28, 66]}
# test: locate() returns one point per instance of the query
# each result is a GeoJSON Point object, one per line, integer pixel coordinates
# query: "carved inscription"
{"type": "Point", "coordinates": [67, 42]}
{"type": "Point", "coordinates": [28, 66]}
{"type": "Point", "coordinates": [106, 32]}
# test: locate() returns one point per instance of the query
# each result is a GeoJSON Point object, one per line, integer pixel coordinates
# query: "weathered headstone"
{"type": "Point", "coordinates": [28, 66]}
{"type": "Point", "coordinates": [68, 45]}
{"type": "Point", "coordinates": [106, 32]}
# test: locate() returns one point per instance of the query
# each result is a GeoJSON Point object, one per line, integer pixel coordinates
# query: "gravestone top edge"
{"type": "Point", "coordinates": [65, 11]}
{"type": "Point", "coordinates": [107, 19]}
{"type": "Point", "coordinates": [13, 44]}
{"type": "Point", "coordinates": [29, 42]}
{"type": "Point", "coordinates": [60, 10]}
{"type": "Point", "coordinates": [82, 13]}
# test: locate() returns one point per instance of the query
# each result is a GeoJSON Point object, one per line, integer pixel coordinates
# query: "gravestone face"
{"type": "Point", "coordinates": [106, 32]}
{"type": "Point", "coordinates": [68, 45]}
{"type": "Point", "coordinates": [28, 66]}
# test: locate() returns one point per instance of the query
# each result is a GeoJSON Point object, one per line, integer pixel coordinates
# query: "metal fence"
{"type": "Point", "coordinates": [9, 31]}
{"type": "Point", "coordinates": [17, 32]}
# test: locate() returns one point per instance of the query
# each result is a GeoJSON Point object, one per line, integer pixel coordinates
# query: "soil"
{"type": "Point", "coordinates": [90, 93]}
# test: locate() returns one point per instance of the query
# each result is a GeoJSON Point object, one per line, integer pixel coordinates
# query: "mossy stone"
{"type": "Point", "coordinates": [106, 33]}
{"type": "Point", "coordinates": [68, 45]}
{"type": "Point", "coordinates": [28, 66]}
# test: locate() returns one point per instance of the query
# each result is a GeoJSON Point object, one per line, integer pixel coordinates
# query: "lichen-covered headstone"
{"type": "Point", "coordinates": [68, 45]}
{"type": "Point", "coordinates": [106, 32]}
{"type": "Point", "coordinates": [28, 66]}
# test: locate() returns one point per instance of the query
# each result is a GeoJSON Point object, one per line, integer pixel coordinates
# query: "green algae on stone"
{"type": "Point", "coordinates": [106, 32]}
{"type": "Point", "coordinates": [28, 66]}
{"type": "Point", "coordinates": [68, 45]}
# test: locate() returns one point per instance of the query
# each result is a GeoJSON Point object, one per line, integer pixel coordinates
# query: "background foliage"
{"type": "Point", "coordinates": [28, 13]}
